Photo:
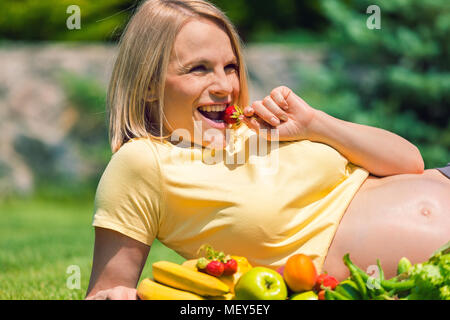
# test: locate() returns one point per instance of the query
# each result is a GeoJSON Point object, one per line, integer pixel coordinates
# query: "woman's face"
{"type": "Point", "coordinates": [202, 77]}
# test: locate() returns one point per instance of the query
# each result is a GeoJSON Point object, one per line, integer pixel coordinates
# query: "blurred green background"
{"type": "Point", "coordinates": [396, 78]}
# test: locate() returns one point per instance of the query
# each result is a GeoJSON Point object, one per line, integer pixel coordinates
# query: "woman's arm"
{"type": "Point", "coordinates": [117, 265]}
{"type": "Point", "coordinates": [380, 152]}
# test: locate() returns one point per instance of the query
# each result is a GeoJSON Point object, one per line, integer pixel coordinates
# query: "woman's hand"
{"type": "Point", "coordinates": [117, 293]}
{"type": "Point", "coordinates": [284, 111]}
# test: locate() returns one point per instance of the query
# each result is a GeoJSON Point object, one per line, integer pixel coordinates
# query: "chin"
{"type": "Point", "coordinates": [213, 135]}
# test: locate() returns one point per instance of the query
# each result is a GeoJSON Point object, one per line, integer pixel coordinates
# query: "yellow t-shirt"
{"type": "Point", "coordinates": [265, 206]}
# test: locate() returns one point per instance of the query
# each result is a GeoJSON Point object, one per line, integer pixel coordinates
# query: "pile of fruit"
{"type": "Point", "coordinates": [295, 280]}
{"type": "Point", "coordinates": [215, 275]}
{"type": "Point", "coordinates": [212, 276]}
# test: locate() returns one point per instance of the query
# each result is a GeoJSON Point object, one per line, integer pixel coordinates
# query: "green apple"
{"type": "Point", "coordinates": [307, 295]}
{"type": "Point", "coordinates": [260, 283]}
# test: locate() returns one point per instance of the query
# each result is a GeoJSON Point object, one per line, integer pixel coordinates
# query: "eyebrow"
{"type": "Point", "coordinates": [186, 66]}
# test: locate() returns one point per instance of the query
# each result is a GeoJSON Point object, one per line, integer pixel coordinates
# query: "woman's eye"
{"type": "Point", "coordinates": [232, 66]}
{"type": "Point", "coordinates": [198, 69]}
{"type": "Point", "coordinates": [202, 68]}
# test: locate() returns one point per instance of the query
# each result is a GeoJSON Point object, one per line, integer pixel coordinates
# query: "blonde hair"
{"type": "Point", "coordinates": [136, 89]}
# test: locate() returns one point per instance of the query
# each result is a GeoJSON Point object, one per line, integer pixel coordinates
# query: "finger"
{"type": "Point", "coordinates": [132, 295]}
{"type": "Point", "coordinates": [270, 104]}
{"type": "Point", "coordinates": [101, 295]}
{"type": "Point", "coordinates": [293, 101]}
{"type": "Point", "coordinates": [279, 99]}
{"type": "Point", "coordinates": [258, 125]}
{"type": "Point", "coordinates": [284, 91]}
{"type": "Point", "coordinates": [265, 114]}
{"type": "Point", "coordinates": [248, 111]}
{"type": "Point", "coordinates": [251, 122]}
{"type": "Point", "coordinates": [124, 293]}
{"type": "Point", "coordinates": [116, 294]}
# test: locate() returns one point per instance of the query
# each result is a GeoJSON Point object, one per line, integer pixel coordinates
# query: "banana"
{"type": "Point", "coordinates": [183, 278]}
{"type": "Point", "coordinates": [228, 296]}
{"type": "Point", "coordinates": [190, 264]}
{"type": "Point", "coordinates": [150, 290]}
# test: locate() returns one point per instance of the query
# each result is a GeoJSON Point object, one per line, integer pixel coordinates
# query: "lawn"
{"type": "Point", "coordinates": [39, 242]}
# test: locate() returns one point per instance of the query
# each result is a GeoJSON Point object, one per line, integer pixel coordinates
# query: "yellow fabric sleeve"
{"type": "Point", "coordinates": [128, 196]}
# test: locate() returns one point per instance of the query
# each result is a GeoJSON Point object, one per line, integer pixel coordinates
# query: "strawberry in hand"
{"type": "Point", "coordinates": [232, 114]}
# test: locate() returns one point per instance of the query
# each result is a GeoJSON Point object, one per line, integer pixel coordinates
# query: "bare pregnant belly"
{"type": "Point", "coordinates": [391, 217]}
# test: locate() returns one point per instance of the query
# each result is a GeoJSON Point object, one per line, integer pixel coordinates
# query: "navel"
{"type": "Point", "coordinates": [425, 212]}
{"type": "Point", "coordinates": [427, 208]}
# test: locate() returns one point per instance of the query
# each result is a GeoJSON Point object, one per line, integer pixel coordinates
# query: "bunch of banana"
{"type": "Point", "coordinates": [176, 282]}
{"type": "Point", "coordinates": [151, 290]}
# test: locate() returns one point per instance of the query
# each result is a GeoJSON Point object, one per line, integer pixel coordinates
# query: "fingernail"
{"type": "Point", "coordinates": [275, 121]}
{"type": "Point", "coordinates": [284, 117]}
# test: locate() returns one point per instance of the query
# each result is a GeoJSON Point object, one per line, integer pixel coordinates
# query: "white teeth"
{"type": "Point", "coordinates": [215, 108]}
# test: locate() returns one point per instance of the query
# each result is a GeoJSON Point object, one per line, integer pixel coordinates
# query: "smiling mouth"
{"type": "Point", "coordinates": [214, 113]}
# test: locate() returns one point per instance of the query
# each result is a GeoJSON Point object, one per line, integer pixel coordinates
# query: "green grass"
{"type": "Point", "coordinates": [40, 239]}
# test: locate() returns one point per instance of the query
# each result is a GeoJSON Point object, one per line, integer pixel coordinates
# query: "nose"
{"type": "Point", "coordinates": [221, 85]}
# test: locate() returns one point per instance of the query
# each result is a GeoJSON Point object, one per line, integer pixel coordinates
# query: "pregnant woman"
{"type": "Point", "coordinates": [181, 175]}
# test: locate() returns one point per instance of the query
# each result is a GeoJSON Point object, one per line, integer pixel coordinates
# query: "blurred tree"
{"type": "Point", "coordinates": [104, 20]}
{"type": "Point", "coordinates": [90, 132]}
{"type": "Point", "coordinates": [45, 20]}
{"type": "Point", "coordinates": [396, 77]}
{"type": "Point", "coordinates": [259, 18]}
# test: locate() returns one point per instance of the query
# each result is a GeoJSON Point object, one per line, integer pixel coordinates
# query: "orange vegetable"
{"type": "Point", "coordinates": [300, 273]}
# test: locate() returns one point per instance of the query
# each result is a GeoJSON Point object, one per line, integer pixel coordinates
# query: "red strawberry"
{"type": "Point", "coordinates": [231, 267]}
{"type": "Point", "coordinates": [231, 115]}
{"type": "Point", "coordinates": [215, 268]}
{"type": "Point", "coordinates": [326, 280]}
